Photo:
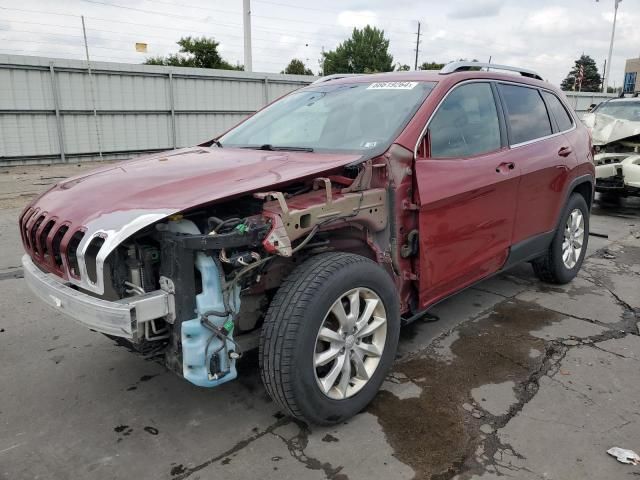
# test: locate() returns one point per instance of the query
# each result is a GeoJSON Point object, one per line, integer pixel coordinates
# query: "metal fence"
{"type": "Point", "coordinates": [52, 110]}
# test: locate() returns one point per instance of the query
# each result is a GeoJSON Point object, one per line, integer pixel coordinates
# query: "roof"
{"type": "Point", "coordinates": [428, 76]}
{"type": "Point", "coordinates": [467, 69]}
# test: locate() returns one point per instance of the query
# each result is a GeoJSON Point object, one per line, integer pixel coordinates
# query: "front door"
{"type": "Point", "coordinates": [467, 188]}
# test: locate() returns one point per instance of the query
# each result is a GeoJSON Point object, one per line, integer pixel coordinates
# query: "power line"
{"type": "Point", "coordinates": [199, 20]}
{"type": "Point", "coordinates": [288, 5]}
{"type": "Point", "coordinates": [174, 4]}
{"type": "Point", "coordinates": [267, 31]}
{"type": "Point", "coordinates": [39, 12]}
{"type": "Point", "coordinates": [234, 26]}
{"type": "Point", "coordinates": [155, 27]}
{"type": "Point", "coordinates": [166, 14]}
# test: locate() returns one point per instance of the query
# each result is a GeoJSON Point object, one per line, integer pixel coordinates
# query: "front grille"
{"type": "Point", "coordinates": [50, 242]}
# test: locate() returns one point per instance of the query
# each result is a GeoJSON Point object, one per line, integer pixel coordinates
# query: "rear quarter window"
{"type": "Point", "coordinates": [563, 119]}
{"type": "Point", "coordinates": [526, 113]}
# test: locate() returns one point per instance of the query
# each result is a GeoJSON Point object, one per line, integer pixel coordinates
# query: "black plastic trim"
{"type": "Point", "coordinates": [528, 249]}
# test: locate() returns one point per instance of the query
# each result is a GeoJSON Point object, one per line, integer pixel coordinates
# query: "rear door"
{"type": "Point", "coordinates": [545, 158]}
{"type": "Point", "coordinates": [467, 191]}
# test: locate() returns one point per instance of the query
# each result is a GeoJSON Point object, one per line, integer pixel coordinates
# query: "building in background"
{"type": "Point", "coordinates": [632, 76]}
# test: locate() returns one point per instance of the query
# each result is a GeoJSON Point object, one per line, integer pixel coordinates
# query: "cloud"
{"type": "Point", "coordinates": [358, 19]}
{"type": "Point", "coordinates": [480, 8]}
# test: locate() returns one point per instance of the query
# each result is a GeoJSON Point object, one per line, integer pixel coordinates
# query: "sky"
{"type": "Point", "coordinates": [543, 35]}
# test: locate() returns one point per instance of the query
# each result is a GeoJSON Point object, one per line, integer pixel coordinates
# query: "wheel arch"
{"type": "Point", "coordinates": [583, 185]}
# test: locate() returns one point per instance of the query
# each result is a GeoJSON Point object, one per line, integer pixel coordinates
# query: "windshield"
{"type": "Point", "coordinates": [351, 118]}
{"type": "Point", "coordinates": [621, 110]}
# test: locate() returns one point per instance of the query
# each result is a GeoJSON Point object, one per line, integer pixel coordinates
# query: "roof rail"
{"type": "Point", "coordinates": [464, 66]}
{"type": "Point", "coordinates": [335, 76]}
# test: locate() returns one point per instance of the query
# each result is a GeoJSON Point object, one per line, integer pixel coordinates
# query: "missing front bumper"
{"type": "Point", "coordinates": [122, 318]}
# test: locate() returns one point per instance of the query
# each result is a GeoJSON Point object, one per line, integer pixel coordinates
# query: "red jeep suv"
{"type": "Point", "coordinates": [317, 226]}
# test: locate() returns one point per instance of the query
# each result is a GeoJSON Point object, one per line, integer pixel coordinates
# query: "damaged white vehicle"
{"type": "Point", "coordinates": [615, 128]}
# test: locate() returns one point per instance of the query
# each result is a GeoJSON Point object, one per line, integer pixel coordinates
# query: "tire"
{"type": "Point", "coordinates": [552, 267]}
{"type": "Point", "coordinates": [290, 343]}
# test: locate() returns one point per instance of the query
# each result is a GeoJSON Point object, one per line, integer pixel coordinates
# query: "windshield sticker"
{"type": "Point", "coordinates": [392, 86]}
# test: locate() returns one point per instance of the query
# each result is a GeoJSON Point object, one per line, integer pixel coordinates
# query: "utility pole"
{"type": "Point", "coordinates": [91, 87]}
{"type": "Point", "coordinates": [246, 17]}
{"type": "Point", "coordinates": [415, 67]}
{"type": "Point", "coordinates": [605, 84]}
{"type": "Point", "coordinates": [604, 69]}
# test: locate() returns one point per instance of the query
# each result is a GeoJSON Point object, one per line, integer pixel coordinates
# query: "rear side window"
{"type": "Point", "coordinates": [526, 113]}
{"type": "Point", "coordinates": [466, 124]}
{"type": "Point", "coordinates": [558, 111]}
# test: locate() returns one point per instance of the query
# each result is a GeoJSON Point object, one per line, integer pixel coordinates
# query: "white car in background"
{"type": "Point", "coordinates": [615, 128]}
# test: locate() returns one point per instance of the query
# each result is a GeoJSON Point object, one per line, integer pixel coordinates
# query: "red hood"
{"type": "Point", "coordinates": [116, 201]}
{"type": "Point", "coordinates": [177, 180]}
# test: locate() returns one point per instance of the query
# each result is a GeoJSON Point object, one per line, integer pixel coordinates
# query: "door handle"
{"type": "Point", "coordinates": [505, 167]}
{"type": "Point", "coordinates": [565, 151]}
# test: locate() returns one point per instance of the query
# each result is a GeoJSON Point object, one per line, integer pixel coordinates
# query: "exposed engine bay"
{"type": "Point", "coordinates": [221, 264]}
{"type": "Point", "coordinates": [615, 128]}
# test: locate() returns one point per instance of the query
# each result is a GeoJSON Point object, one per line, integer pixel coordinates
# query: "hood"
{"type": "Point", "coordinates": [177, 180]}
{"type": "Point", "coordinates": [606, 129]}
{"type": "Point", "coordinates": [115, 201]}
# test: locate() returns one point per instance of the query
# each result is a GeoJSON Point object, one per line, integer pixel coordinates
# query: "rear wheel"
{"type": "Point", "coordinates": [566, 253]}
{"type": "Point", "coordinates": [330, 337]}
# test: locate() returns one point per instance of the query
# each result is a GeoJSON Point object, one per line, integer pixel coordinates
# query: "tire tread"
{"type": "Point", "coordinates": [284, 318]}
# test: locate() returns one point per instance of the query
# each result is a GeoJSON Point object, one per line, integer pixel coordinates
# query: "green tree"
{"type": "Point", "coordinates": [400, 67]}
{"type": "Point", "coordinates": [195, 52]}
{"type": "Point", "coordinates": [431, 66]}
{"type": "Point", "coordinates": [591, 80]}
{"type": "Point", "coordinates": [367, 51]}
{"type": "Point", "coordinates": [296, 67]}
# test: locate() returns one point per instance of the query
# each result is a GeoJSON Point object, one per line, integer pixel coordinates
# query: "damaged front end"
{"type": "Point", "coordinates": [616, 148]}
{"type": "Point", "coordinates": [221, 265]}
{"type": "Point", "coordinates": [193, 287]}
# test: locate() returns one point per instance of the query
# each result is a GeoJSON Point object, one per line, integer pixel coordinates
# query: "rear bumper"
{"type": "Point", "coordinates": [122, 318]}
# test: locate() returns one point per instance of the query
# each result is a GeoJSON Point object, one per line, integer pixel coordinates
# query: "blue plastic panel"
{"type": "Point", "coordinates": [195, 355]}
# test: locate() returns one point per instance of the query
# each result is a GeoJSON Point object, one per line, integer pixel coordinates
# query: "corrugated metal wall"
{"type": "Point", "coordinates": [47, 107]}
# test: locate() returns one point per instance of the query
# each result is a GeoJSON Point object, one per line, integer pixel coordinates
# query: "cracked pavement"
{"type": "Point", "coordinates": [515, 379]}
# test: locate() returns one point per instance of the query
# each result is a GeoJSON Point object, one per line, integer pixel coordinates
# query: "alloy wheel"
{"type": "Point", "coordinates": [573, 238]}
{"type": "Point", "coordinates": [350, 343]}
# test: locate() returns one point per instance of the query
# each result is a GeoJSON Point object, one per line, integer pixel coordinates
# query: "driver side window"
{"type": "Point", "coordinates": [466, 123]}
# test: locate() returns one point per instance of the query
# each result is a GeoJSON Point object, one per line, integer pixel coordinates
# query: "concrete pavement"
{"type": "Point", "coordinates": [515, 378]}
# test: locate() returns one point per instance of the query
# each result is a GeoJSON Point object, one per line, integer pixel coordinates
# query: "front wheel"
{"type": "Point", "coordinates": [330, 337]}
{"type": "Point", "coordinates": [564, 258]}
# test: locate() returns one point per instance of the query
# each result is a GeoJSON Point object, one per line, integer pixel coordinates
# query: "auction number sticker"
{"type": "Point", "coordinates": [392, 86]}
